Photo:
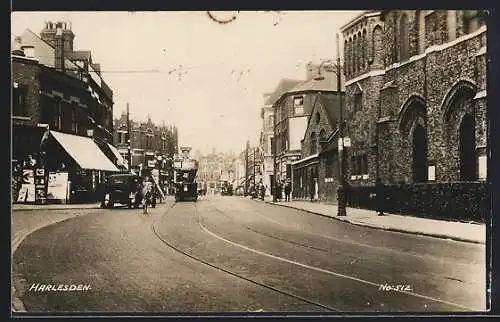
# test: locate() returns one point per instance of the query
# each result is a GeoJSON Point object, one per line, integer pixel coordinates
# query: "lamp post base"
{"type": "Point", "coordinates": [341, 211]}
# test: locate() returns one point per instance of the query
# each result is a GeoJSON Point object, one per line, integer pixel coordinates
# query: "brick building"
{"type": "Point", "coordinates": [416, 101]}
{"type": "Point", "coordinates": [292, 111]}
{"type": "Point", "coordinates": [267, 131]}
{"type": "Point", "coordinates": [63, 103]}
{"type": "Point", "coordinates": [152, 146]}
{"type": "Point", "coordinates": [315, 174]}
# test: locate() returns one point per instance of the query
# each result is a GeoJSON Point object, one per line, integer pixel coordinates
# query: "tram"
{"type": "Point", "coordinates": [185, 175]}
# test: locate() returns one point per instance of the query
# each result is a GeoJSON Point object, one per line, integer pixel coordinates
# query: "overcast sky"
{"type": "Point", "coordinates": [224, 68]}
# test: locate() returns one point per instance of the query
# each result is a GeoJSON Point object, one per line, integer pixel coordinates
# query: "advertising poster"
{"type": "Point", "coordinates": [28, 176]}
{"type": "Point", "coordinates": [57, 186]}
{"type": "Point", "coordinates": [26, 193]}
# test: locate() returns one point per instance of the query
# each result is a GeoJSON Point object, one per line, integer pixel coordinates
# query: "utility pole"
{"type": "Point", "coordinates": [129, 141]}
{"type": "Point", "coordinates": [341, 209]}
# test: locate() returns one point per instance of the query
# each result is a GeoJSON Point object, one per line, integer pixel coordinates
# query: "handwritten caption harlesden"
{"type": "Point", "coordinates": [38, 287]}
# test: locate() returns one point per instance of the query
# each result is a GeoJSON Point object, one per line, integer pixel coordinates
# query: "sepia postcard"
{"type": "Point", "coordinates": [321, 162]}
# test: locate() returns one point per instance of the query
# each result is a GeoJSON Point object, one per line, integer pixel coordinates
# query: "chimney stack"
{"type": "Point", "coordinates": [59, 49]}
{"type": "Point", "coordinates": [48, 34]}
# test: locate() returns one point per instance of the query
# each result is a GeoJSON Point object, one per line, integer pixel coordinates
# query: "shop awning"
{"type": "Point", "coordinates": [117, 154]}
{"type": "Point", "coordinates": [306, 159]}
{"type": "Point", "coordinates": [85, 152]}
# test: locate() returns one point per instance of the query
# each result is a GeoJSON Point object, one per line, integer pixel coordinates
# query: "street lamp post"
{"type": "Point", "coordinates": [341, 191]}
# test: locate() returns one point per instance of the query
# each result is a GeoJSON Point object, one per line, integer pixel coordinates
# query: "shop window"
{"type": "Point", "coordinates": [288, 171]}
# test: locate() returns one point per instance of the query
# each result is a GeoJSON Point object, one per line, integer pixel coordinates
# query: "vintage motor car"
{"type": "Point", "coordinates": [122, 188]}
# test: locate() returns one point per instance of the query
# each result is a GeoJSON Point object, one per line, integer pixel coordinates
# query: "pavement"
{"type": "Point", "coordinates": [459, 231]}
{"type": "Point", "coordinates": [33, 207]}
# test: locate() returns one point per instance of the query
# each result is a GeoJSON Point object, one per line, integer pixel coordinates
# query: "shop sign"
{"type": "Point", "coordinates": [57, 186]}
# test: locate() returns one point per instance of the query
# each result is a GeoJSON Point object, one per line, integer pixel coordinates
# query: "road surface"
{"type": "Point", "coordinates": [229, 254]}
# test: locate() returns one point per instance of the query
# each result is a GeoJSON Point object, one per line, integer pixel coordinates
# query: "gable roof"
{"type": "Point", "coordinates": [330, 104]}
{"type": "Point", "coordinates": [327, 84]}
{"type": "Point", "coordinates": [44, 52]}
{"type": "Point", "coordinates": [283, 86]}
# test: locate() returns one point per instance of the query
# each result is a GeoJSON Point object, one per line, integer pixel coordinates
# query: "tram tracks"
{"type": "Point", "coordinates": [285, 260]}
{"type": "Point", "coordinates": [234, 274]}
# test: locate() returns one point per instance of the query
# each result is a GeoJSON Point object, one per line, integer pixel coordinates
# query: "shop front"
{"type": "Point", "coordinates": [75, 168]}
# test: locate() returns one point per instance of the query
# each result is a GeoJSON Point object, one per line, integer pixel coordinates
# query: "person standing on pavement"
{"type": "Point", "coordinates": [288, 189]}
{"type": "Point", "coordinates": [278, 190]}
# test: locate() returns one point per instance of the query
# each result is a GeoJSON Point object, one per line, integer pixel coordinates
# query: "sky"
{"type": "Point", "coordinates": [185, 69]}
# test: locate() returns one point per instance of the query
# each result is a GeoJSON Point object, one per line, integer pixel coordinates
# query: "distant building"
{"type": "Point", "coordinates": [215, 168]}
{"type": "Point", "coordinates": [152, 146]}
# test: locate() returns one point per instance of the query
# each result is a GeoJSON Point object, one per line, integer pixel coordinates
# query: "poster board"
{"type": "Point", "coordinates": [57, 186]}
{"type": "Point", "coordinates": [27, 190]}
{"type": "Point", "coordinates": [26, 193]}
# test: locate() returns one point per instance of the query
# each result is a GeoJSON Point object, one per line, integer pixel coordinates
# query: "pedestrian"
{"type": "Point", "coordinates": [278, 191]}
{"type": "Point", "coordinates": [288, 189]}
{"type": "Point", "coordinates": [147, 190]}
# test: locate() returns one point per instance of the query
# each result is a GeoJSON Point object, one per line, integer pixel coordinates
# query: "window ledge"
{"type": "Point", "coordinates": [22, 118]}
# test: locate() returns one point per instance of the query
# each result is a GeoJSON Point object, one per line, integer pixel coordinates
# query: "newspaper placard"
{"type": "Point", "coordinates": [57, 186]}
